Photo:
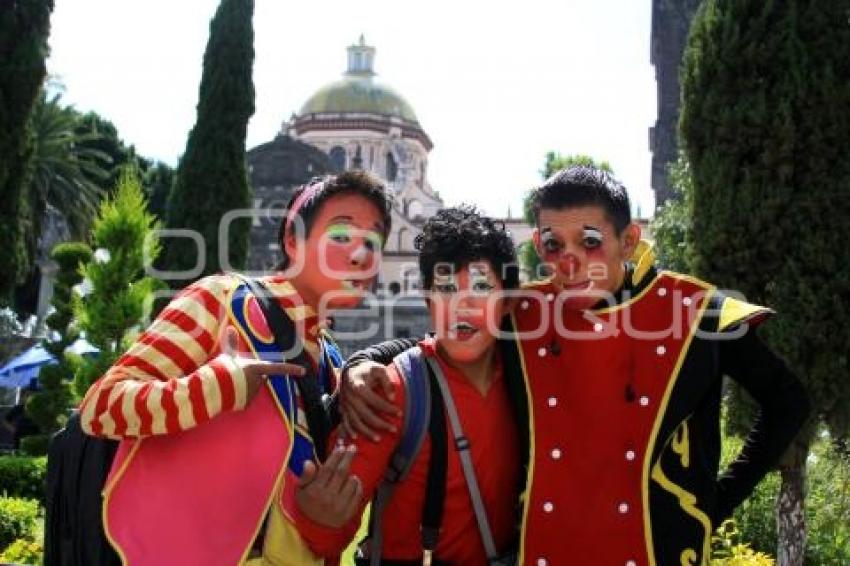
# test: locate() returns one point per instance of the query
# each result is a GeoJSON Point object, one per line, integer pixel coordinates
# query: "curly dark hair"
{"type": "Point", "coordinates": [350, 182]}
{"type": "Point", "coordinates": [461, 235]}
{"type": "Point", "coordinates": [584, 185]}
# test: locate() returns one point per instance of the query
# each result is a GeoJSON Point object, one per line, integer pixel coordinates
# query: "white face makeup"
{"type": "Point", "coordinates": [583, 252]}
{"type": "Point", "coordinates": [466, 308]}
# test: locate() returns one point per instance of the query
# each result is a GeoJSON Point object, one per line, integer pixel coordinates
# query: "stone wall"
{"type": "Point", "coordinates": [671, 20]}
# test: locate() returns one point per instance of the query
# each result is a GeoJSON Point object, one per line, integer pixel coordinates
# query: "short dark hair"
{"type": "Point", "coordinates": [462, 235]}
{"type": "Point", "coordinates": [584, 185]}
{"type": "Point", "coordinates": [355, 182]}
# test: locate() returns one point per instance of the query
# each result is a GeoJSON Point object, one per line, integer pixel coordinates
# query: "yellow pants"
{"type": "Point", "coordinates": [283, 546]}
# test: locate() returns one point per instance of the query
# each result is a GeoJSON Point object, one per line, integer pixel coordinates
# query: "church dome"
{"type": "Point", "coordinates": [359, 92]}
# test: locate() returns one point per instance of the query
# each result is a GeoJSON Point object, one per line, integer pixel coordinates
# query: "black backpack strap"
{"type": "Point", "coordinates": [435, 487]}
{"type": "Point", "coordinates": [309, 388]}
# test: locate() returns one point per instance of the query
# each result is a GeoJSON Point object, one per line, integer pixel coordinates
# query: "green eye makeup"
{"type": "Point", "coordinates": [339, 233]}
{"type": "Point", "coordinates": [344, 233]}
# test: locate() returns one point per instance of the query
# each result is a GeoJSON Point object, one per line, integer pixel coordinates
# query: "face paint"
{"type": "Point", "coordinates": [345, 233]}
{"type": "Point", "coordinates": [568, 264]}
{"type": "Point", "coordinates": [465, 312]}
{"type": "Point", "coordinates": [339, 233]}
{"type": "Point", "coordinates": [552, 246]}
{"type": "Point", "coordinates": [480, 280]}
{"type": "Point", "coordinates": [592, 238]}
{"type": "Point", "coordinates": [338, 249]}
{"type": "Point", "coordinates": [338, 260]}
{"type": "Point", "coordinates": [585, 251]}
{"type": "Point", "coordinates": [374, 240]}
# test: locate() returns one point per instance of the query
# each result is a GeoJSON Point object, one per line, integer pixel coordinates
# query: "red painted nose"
{"type": "Point", "coordinates": [568, 264]}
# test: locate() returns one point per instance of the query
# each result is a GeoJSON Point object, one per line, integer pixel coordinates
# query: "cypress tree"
{"type": "Point", "coordinates": [211, 178]}
{"type": "Point", "coordinates": [24, 28]}
{"type": "Point", "coordinates": [765, 121]}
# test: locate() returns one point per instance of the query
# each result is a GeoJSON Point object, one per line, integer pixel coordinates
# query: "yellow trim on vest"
{"type": "Point", "coordinates": [107, 494]}
{"type": "Point", "coordinates": [650, 549]}
{"type": "Point", "coordinates": [687, 501]}
{"type": "Point", "coordinates": [529, 478]}
{"type": "Point", "coordinates": [643, 259]}
{"type": "Point", "coordinates": [536, 285]}
{"type": "Point", "coordinates": [688, 557]}
{"type": "Point", "coordinates": [680, 444]}
{"type": "Point", "coordinates": [627, 303]}
{"type": "Point", "coordinates": [734, 312]}
{"type": "Point", "coordinates": [661, 274]}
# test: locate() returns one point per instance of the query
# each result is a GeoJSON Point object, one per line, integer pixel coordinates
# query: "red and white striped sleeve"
{"type": "Point", "coordinates": [174, 376]}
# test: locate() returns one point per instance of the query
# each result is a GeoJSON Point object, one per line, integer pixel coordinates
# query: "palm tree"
{"type": "Point", "coordinates": [66, 171]}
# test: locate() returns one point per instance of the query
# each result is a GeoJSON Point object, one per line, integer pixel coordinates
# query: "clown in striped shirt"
{"type": "Point", "coordinates": [213, 434]}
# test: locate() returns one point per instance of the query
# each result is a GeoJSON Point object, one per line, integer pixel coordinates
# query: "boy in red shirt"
{"type": "Point", "coordinates": [467, 262]}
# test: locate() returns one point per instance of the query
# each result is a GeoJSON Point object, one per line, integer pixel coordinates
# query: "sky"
{"type": "Point", "coordinates": [495, 85]}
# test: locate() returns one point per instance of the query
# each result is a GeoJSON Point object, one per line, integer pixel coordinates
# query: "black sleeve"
{"type": "Point", "coordinates": [783, 408]}
{"type": "Point", "coordinates": [382, 353]}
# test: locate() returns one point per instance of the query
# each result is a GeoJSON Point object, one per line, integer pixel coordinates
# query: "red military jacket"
{"type": "Point", "coordinates": [613, 478]}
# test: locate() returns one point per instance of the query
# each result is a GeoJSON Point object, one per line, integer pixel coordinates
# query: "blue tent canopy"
{"type": "Point", "coordinates": [21, 370]}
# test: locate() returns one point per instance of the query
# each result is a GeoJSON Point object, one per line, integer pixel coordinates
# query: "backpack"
{"type": "Point", "coordinates": [427, 402]}
{"type": "Point", "coordinates": [77, 467]}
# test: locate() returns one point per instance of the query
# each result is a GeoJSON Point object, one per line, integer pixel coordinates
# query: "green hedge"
{"type": "Point", "coordinates": [22, 476]}
{"type": "Point", "coordinates": [17, 519]}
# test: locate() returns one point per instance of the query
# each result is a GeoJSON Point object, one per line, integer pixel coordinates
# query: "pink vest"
{"type": "Point", "coordinates": [199, 497]}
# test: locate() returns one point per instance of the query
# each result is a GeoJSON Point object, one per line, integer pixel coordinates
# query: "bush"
{"type": "Point", "coordinates": [827, 506]}
{"type": "Point", "coordinates": [17, 519]}
{"type": "Point", "coordinates": [23, 477]}
{"type": "Point", "coordinates": [23, 551]}
{"type": "Point", "coordinates": [35, 445]}
{"type": "Point", "coordinates": [49, 407]}
{"type": "Point", "coordinates": [756, 517]}
{"type": "Point", "coordinates": [728, 550]}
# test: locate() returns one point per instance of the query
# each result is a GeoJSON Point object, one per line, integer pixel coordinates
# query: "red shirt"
{"type": "Point", "coordinates": [488, 423]}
